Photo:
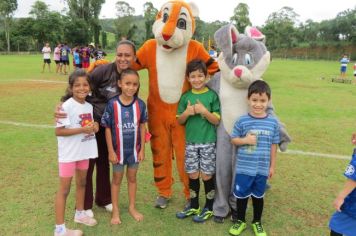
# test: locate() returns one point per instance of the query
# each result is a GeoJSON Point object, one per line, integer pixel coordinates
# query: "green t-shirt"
{"type": "Point", "coordinates": [197, 128]}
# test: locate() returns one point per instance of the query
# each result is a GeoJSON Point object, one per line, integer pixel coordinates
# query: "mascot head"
{"type": "Point", "coordinates": [175, 24]}
{"type": "Point", "coordinates": [244, 57]}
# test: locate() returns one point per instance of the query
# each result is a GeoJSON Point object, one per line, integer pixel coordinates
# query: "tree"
{"type": "Point", "coordinates": [104, 39]}
{"type": "Point", "coordinates": [124, 9]}
{"type": "Point", "coordinates": [125, 19]}
{"type": "Point", "coordinates": [346, 24]}
{"type": "Point", "coordinates": [149, 14]}
{"type": "Point", "coordinates": [280, 30]}
{"type": "Point", "coordinates": [88, 11]}
{"type": "Point", "coordinates": [22, 34]}
{"type": "Point", "coordinates": [76, 31]}
{"type": "Point", "coordinates": [7, 8]}
{"type": "Point", "coordinates": [39, 10]}
{"type": "Point", "coordinates": [241, 17]}
{"type": "Point", "coordinates": [47, 26]}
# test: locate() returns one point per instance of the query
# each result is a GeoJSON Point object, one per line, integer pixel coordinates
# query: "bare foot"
{"type": "Point", "coordinates": [115, 218]}
{"type": "Point", "coordinates": [135, 214]}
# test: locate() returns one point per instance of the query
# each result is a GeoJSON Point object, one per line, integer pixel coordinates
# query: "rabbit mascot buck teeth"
{"type": "Point", "coordinates": [244, 59]}
{"type": "Point", "coordinates": [165, 57]}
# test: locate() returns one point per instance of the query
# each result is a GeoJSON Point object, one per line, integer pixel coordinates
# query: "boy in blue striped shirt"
{"type": "Point", "coordinates": [257, 135]}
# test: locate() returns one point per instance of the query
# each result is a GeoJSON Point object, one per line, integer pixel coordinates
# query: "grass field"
{"type": "Point", "coordinates": [320, 117]}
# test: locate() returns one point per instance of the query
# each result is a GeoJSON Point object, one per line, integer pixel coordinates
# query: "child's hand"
{"type": "Point", "coordinates": [88, 129]}
{"type": "Point", "coordinates": [338, 203]}
{"type": "Point", "coordinates": [59, 113]}
{"type": "Point", "coordinates": [353, 138]}
{"type": "Point", "coordinates": [271, 172]}
{"type": "Point", "coordinates": [141, 156]}
{"type": "Point", "coordinates": [190, 109]}
{"type": "Point", "coordinates": [113, 158]}
{"type": "Point", "coordinates": [96, 127]}
{"type": "Point", "coordinates": [200, 108]}
{"type": "Point", "coordinates": [251, 139]}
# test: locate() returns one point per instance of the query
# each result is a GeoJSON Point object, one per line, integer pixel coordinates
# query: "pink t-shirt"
{"type": "Point", "coordinates": [57, 54]}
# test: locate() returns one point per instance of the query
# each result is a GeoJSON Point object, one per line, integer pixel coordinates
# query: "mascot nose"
{"type": "Point", "coordinates": [238, 72]}
{"type": "Point", "coordinates": [166, 37]}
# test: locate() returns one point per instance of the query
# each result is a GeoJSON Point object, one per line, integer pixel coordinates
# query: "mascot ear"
{"type": "Point", "coordinates": [225, 37]}
{"type": "Point", "coordinates": [194, 8]}
{"type": "Point", "coordinates": [254, 33]}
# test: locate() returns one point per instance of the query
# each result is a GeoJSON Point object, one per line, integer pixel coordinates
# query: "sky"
{"type": "Point", "coordinates": [211, 10]}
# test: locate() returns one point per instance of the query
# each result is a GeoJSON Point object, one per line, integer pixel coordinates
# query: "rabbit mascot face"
{"type": "Point", "coordinates": [243, 59]}
{"type": "Point", "coordinates": [165, 57]}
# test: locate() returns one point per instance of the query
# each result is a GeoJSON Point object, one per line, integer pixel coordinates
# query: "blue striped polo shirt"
{"type": "Point", "coordinates": [254, 160]}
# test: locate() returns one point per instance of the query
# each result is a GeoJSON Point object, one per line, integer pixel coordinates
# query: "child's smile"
{"type": "Point", "coordinates": [258, 104]}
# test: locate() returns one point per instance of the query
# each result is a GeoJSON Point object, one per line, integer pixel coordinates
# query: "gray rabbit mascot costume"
{"type": "Point", "coordinates": [243, 59]}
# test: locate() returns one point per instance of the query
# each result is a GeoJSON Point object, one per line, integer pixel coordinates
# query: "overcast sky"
{"type": "Point", "coordinates": [211, 10]}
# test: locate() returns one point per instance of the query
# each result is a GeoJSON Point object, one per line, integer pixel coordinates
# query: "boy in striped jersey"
{"type": "Point", "coordinates": [256, 134]}
{"type": "Point", "coordinates": [124, 120]}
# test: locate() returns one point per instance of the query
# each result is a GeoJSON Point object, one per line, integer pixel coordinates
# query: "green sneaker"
{"type": "Point", "coordinates": [188, 211]}
{"type": "Point", "coordinates": [237, 228]}
{"type": "Point", "coordinates": [258, 229]}
{"type": "Point", "coordinates": [204, 215]}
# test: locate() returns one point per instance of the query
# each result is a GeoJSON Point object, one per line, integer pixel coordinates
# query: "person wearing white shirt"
{"type": "Point", "coordinates": [46, 51]}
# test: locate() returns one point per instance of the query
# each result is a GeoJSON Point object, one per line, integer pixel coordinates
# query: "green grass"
{"type": "Point", "coordinates": [319, 115]}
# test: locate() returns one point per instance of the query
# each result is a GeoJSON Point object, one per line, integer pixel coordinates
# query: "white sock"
{"type": "Point", "coordinates": [61, 229]}
{"type": "Point", "coordinates": [79, 213]}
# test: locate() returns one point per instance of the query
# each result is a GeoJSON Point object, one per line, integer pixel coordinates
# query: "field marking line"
{"type": "Point", "coordinates": [35, 80]}
{"type": "Point", "coordinates": [295, 152]}
{"type": "Point", "coordinates": [316, 154]}
{"type": "Point", "coordinates": [46, 81]}
{"type": "Point", "coordinates": [26, 124]}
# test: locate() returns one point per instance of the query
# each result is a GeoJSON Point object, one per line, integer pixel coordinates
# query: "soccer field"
{"type": "Point", "coordinates": [320, 117]}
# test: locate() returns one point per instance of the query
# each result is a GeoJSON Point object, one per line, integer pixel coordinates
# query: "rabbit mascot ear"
{"type": "Point", "coordinates": [225, 37]}
{"type": "Point", "coordinates": [254, 33]}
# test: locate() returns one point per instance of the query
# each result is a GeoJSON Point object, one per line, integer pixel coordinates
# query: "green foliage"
{"type": "Point", "coordinates": [149, 15]}
{"type": "Point", "coordinates": [7, 8]}
{"type": "Point", "coordinates": [205, 31]}
{"type": "Point", "coordinates": [88, 12]}
{"type": "Point", "coordinates": [124, 9]}
{"type": "Point", "coordinates": [76, 32]}
{"type": "Point", "coordinates": [280, 30]}
{"type": "Point", "coordinates": [241, 17]}
{"type": "Point", "coordinates": [104, 39]}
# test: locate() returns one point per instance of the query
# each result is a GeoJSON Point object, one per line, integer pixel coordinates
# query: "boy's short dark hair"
{"type": "Point", "coordinates": [260, 87]}
{"type": "Point", "coordinates": [194, 65]}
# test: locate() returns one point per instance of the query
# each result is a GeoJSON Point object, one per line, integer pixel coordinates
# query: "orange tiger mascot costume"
{"type": "Point", "coordinates": [166, 57]}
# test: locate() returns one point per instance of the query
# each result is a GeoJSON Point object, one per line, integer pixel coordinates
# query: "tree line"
{"type": "Point", "coordinates": [80, 24]}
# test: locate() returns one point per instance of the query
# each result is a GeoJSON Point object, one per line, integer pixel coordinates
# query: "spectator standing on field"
{"type": "Point", "coordinates": [65, 51]}
{"type": "Point", "coordinates": [344, 61]}
{"type": "Point", "coordinates": [57, 56]}
{"type": "Point", "coordinates": [46, 51]}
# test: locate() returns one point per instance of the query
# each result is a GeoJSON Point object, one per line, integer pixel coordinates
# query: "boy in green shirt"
{"type": "Point", "coordinates": [199, 111]}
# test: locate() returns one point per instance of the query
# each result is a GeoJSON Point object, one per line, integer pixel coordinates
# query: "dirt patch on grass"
{"type": "Point", "coordinates": [12, 89]}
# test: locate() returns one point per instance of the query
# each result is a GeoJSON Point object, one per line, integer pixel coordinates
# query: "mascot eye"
{"type": "Point", "coordinates": [182, 24]}
{"type": "Point", "coordinates": [248, 59]}
{"type": "Point", "coordinates": [234, 59]}
{"type": "Point", "coordinates": [165, 17]}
